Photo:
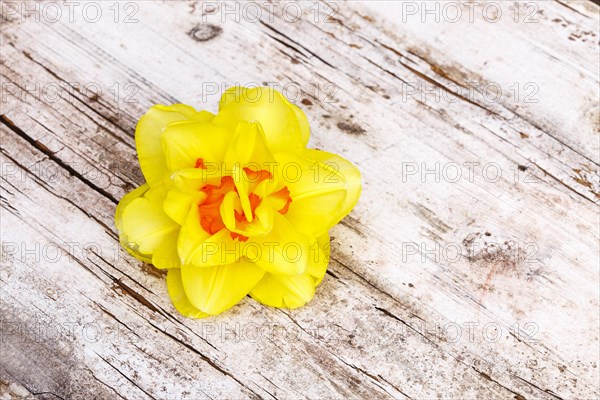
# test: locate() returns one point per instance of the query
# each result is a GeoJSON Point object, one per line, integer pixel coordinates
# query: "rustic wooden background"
{"type": "Point", "coordinates": [469, 268]}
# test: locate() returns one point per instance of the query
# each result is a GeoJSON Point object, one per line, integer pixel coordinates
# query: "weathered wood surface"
{"type": "Point", "coordinates": [479, 286]}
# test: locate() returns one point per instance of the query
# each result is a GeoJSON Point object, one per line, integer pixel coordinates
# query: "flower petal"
{"type": "Point", "coordinates": [128, 198]}
{"type": "Point", "coordinates": [293, 291]}
{"type": "Point", "coordinates": [201, 249]}
{"type": "Point", "coordinates": [191, 237]}
{"type": "Point", "coordinates": [183, 143]}
{"type": "Point", "coordinates": [189, 180]}
{"type": "Point", "coordinates": [317, 191]}
{"type": "Point", "coordinates": [165, 254]}
{"type": "Point", "coordinates": [178, 297]}
{"type": "Point", "coordinates": [148, 132]}
{"type": "Point", "coordinates": [284, 250]}
{"type": "Point", "coordinates": [215, 289]}
{"type": "Point", "coordinates": [319, 258]}
{"type": "Point", "coordinates": [146, 224]}
{"type": "Point", "coordinates": [303, 123]}
{"type": "Point", "coordinates": [178, 204]}
{"type": "Point", "coordinates": [248, 149]}
{"type": "Point", "coordinates": [284, 290]}
{"type": "Point", "coordinates": [285, 125]}
{"type": "Point", "coordinates": [346, 172]}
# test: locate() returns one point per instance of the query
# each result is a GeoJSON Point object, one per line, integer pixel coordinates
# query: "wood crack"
{"type": "Point", "coordinates": [312, 54]}
{"type": "Point", "coordinates": [485, 376]}
{"type": "Point", "coordinates": [573, 9]}
{"type": "Point", "coordinates": [206, 359]}
{"type": "Point", "coordinates": [547, 391]}
{"type": "Point", "coordinates": [126, 377]}
{"type": "Point", "coordinates": [10, 125]}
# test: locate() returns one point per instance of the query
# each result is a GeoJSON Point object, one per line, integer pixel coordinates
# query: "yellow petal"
{"type": "Point", "coordinates": [178, 297]}
{"type": "Point", "coordinates": [128, 198]}
{"type": "Point", "coordinates": [190, 180]}
{"type": "Point", "coordinates": [346, 172]}
{"type": "Point", "coordinates": [165, 254]}
{"type": "Point", "coordinates": [178, 204]}
{"type": "Point", "coordinates": [227, 210]}
{"type": "Point", "coordinates": [303, 124]}
{"type": "Point", "coordinates": [248, 149]}
{"type": "Point", "coordinates": [317, 191]}
{"type": "Point", "coordinates": [157, 193]}
{"type": "Point", "coordinates": [319, 258]}
{"type": "Point", "coordinates": [293, 291]}
{"type": "Point", "coordinates": [285, 250]}
{"type": "Point", "coordinates": [148, 133]}
{"type": "Point", "coordinates": [146, 224]}
{"type": "Point", "coordinates": [201, 249]}
{"type": "Point", "coordinates": [191, 237]}
{"type": "Point", "coordinates": [185, 142]}
{"type": "Point", "coordinates": [284, 290]}
{"type": "Point", "coordinates": [285, 125]}
{"type": "Point", "coordinates": [216, 289]}
{"type": "Point", "coordinates": [261, 225]}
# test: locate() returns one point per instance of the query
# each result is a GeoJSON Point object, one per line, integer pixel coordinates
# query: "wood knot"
{"type": "Point", "coordinates": [352, 129]}
{"type": "Point", "coordinates": [205, 32]}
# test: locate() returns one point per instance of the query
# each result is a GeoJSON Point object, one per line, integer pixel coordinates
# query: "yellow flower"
{"type": "Point", "coordinates": [235, 203]}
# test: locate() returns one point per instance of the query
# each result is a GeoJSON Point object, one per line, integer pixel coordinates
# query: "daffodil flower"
{"type": "Point", "coordinates": [234, 203]}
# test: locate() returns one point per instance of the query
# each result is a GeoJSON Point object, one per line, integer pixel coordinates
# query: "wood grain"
{"type": "Point", "coordinates": [469, 268]}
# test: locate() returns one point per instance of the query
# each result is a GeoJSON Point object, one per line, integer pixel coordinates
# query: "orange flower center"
{"type": "Point", "coordinates": [210, 209]}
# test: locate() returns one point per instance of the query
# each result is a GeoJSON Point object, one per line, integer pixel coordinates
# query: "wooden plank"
{"type": "Point", "coordinates": [478, 285]}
